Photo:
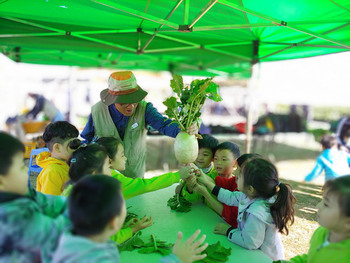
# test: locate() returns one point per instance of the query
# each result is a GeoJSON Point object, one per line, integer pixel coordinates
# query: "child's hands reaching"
{"type": "Point", "coordinates": [131, 222]}
{"type": "Point", "coordinates": [203, 178]}
{"type": "Point", "coordinates": [201, 189]}
{"type": "Point", "coordinates": [190, 250]}
{"type": "Point", "coordinates": [221, 229]}
{"type": "Point", "coordinates": [186, 172]}
{"type": "Point", "coordinates": [141, 224]}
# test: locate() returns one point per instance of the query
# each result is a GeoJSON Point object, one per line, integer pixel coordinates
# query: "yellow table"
{"type": "Point", "coordinates": [167, 223]}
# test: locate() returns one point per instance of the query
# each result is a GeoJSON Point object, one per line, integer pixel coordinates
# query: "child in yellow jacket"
{"type": "Point", "coordinates": [331, 241]}
{"type": "Point", "coordinates": [61, 139]}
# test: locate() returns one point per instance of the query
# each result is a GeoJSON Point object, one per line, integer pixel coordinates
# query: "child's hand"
{"type": "Point", "coordinates": [191, 181]}
{"type": "Point", "coordinates": [221, 229]}
{"type": "Point", "coordinates": [186, 172]}
{"type": "Point", "coordinates": [142, 224]}
{"type": "Point", "coordinates": [205, 179]}
{"type": "Point", "coordinates": [190, 251]}
{"type": "Point", "coordinates": [131, 222]}
{"type": "Point", "coordinates": [199, 188]}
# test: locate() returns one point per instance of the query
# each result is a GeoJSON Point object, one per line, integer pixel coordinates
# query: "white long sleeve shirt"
{"type": "Point", "coordinates": [256, 229]}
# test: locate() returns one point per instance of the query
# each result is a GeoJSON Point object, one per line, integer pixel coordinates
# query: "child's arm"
{"type": "Point", "coordinates": [251, 236]}
{"type": "Point", "coordinates": [126, 233]}
{"type": "Point", "coordinates": [133, 187]}
{"type": "Point", "coordinates": [215, 204]}
{"type": "Point", "coordinates": [316, 171]}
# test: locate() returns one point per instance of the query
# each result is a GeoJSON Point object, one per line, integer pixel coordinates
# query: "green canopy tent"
{"type": "Point", "coordinates": [183, 36]}
{"type": "Point", "coordinates": [193, 37]}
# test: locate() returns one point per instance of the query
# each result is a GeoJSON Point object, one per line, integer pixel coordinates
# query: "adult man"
{"type": "Point", "coordinates": [122, 113]}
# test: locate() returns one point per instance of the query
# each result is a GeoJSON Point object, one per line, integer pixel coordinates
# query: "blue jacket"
{"type": "Point", "coordinates": [334, 162]}
{"type": "Point", "coordinates": [152, 118]}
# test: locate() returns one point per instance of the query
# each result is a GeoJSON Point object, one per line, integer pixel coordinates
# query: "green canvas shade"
{"type": "Point", "coordinates": [189, 37]}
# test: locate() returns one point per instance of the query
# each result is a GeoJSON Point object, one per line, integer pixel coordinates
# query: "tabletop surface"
{"type": "Point", "coordinates": [167, 223]}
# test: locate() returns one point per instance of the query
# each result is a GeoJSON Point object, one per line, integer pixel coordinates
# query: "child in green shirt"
{"type": "Point", "coordinates": [331, 241]}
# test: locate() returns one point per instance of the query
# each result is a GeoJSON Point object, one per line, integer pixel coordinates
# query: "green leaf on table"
{"type": "Point", "coordinates": [134, 242]}
{"type": "Point", "coordinates": [147, 250]}
{"type": "Point", "coordinates": [177, 84]}
{"type": "Point", "coordinates": [216, 253]}
{"type": "Point", "coordinates": [179, 204]}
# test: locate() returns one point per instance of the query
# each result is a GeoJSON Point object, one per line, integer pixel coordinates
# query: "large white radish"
{"type": "Point", "coordinates": [186, 147]}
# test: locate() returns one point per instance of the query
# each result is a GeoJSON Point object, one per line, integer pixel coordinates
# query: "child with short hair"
{"type": "Point", "coordinates": [333, 161]}
{"type": "Point", "coordinates": [61, 139]}
{"type": "Point", "coordinates": [30, 222]}
{"type": "Point", "coordinates": [265, 207]}
{"type": "Point", "coordinates": [134, 186]}
{"type": "Point", "coordinates": [331, 241]}
{"type": "Point", "coordinates": [98, 216]}
{"type": "Point", "coordinates": [93, 159]}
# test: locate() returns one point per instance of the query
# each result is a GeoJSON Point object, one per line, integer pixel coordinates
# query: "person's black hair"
{"type": "Point", "coordinates": [208, 142]}
{"type": "Point", "coordinates": [262, 175]}
{"type": "Point", "coordinates": [86, 160]}
{"type": "Point", "coordinates": [9, 147]}
{"type": "Point", "coordinates": [241, 159]}
{"type": "Point", "coordinates": [110, 144]}
{"type": "Point", "coordinates": [232, 147]}
{"type": "Point", "coordinates": [340, 186]}
{"type": "Point", "coordinates": [94, 201]}
{"type": "Point", "coordinates": [59, 132]}
{"type": "Point", "coordinates": [328, 141]}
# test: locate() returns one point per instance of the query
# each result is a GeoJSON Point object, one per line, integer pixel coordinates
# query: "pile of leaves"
{"type": "Point", "coordinates": [216, 253]}
{"type": "Point", "coordinates": [179, 203]}
{"type": "Point", "coordinates": [185, 108]}
{"type": "Point", "coordinates": [153, 245]}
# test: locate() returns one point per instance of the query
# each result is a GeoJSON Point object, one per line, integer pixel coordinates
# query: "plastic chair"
{"type": "Point", "coordinates": [34, 167]}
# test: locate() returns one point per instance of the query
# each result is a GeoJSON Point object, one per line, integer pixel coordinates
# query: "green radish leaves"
{"type": "Point", "coordinates": [184, 109]}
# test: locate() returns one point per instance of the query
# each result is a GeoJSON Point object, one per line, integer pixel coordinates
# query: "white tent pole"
{"type": "Point", "coordinates": [253, 86]}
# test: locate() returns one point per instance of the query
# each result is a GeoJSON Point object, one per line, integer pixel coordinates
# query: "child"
{"type": "Point", "coordinates": [93, 159]}
{"type": "Point", "coordinates": [60, 138]}
{"type": "Point", "coordinates": [30, 222]}
{"type": "Point", "coordinates": [98, 216]}
{"type": "Point", "coordinates": [225, 158]}
{"type": "Point", "coordinates": [331, 241]}
{"type": "Point", "coordinates": [228, 213]}
{"type": "Point", "coordinates": [265, 206]}
{"type": "Point", "coordinates": [333, 161]}
{"type": "Point", "coordinates": [133, 187]}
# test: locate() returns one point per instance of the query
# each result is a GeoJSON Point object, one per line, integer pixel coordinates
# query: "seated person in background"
{"type": "Point", "coordinates": [134, 186]}
{"type": "Point", "coordinates": [30, 222]}
{"type": "Point", "coordinates": [331, 241]}
{"type": "Point", "coordinates": [93, 159]}
{"type": "Point", "coordinates": [265, 207]}
{"type": "Point", "coordinates": [333, 161]}
{"type": "Point", "coordinates": [95, 217]}
{"type": "Point", "coordinates": [46, 106]}
{"type": "Point", "coordinates": [225, 157]}
{"type": "Point", "coordinates": [60, 137]}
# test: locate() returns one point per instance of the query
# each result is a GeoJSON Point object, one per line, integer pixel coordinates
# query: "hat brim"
{"type": "Point", "coordinates": [134, 97]}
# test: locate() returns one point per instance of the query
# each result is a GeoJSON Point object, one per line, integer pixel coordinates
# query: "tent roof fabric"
{"type": "Point", "coordinates": [193, 37]}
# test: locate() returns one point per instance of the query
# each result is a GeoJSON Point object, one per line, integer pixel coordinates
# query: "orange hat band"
{"type": "Point", "coordinates": [122, 92]}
